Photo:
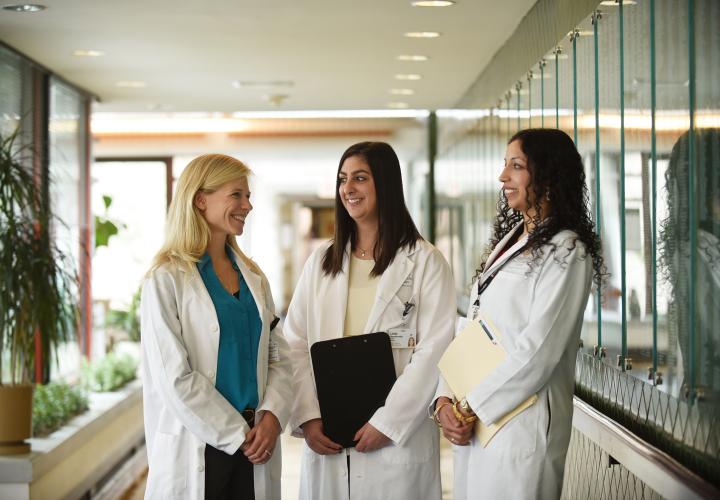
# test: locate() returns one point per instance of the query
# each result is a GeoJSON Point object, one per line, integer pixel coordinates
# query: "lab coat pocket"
{"type": "Point", "coordinates": [167, 471]}
{"type": "Point", "coordinates": [518, 438]}
{"type": "Point", "coordinates": [420, 448]}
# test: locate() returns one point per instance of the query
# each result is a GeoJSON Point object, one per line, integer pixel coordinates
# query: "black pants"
{"type": "Point", "coordinates": [228, 477]}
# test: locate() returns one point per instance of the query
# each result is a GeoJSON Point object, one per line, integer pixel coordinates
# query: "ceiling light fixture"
{"type": "Point", "coordinates": [422, 34]}
{"type": "Point", "coordinates": [412, 57]}
{"type": "Point", "coordinates": [247, 84]}
{"type": "Point", "coordinates": [432, 3]}
{"type": "Point", "coordinates": [397, 105]}
{"type": "Point", "coordinates": [88, 53]}
{"type": "Point", "coordinates": [25, 7]}
{"type": "Point", "coordinates": [402, 91]}
{"type": "Point", "coordinates": [408, 76]}
{"type": "Point", "coordinates": [131, 84]}
{"type": "Point", "coordinates": [615, 3]}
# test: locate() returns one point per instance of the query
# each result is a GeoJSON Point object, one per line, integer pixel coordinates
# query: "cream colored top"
{"type": "Point", "coordinates": [361, 295]}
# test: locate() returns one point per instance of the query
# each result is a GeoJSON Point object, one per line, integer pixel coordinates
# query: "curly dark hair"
{"type": "Point", "coordinates": [556, 171]}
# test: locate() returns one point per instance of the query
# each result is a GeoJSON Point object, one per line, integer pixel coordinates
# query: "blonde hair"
{"type": "Point", "coordinates": [187, 233]}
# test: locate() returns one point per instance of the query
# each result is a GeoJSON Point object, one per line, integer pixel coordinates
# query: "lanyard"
{"type": "Point", "coordinates": [488, 280]}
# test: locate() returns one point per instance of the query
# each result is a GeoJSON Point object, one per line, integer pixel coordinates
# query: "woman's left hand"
{"type": "Point", "coordinates": [260, 441]}
{"type": "Point", "coordinates": [370, 439]}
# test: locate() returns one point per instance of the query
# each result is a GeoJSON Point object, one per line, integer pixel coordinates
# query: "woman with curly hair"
{"type": "Point", "coordinates": [534, 287]}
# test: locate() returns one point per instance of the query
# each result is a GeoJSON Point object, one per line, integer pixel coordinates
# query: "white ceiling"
{"type": "Point", "coordinates": [338, 54]}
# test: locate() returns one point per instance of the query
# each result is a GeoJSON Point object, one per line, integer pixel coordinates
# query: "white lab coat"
{"type": "Point", "coordinates": [409, 467]}
{"type": "Point", "coordinates": [183, 411]}
{"type": "Point", "coordinates": [540, 317]}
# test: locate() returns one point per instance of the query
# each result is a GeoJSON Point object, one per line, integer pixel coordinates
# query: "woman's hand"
{"type": "Point", "coordinates": [370, 439]}
{"type": "Point", "coordinates": [453, 430]}
{"type": "Point", "coordinates": [261, 440]}
{"type": "Point", "coordinates": [317, 440]}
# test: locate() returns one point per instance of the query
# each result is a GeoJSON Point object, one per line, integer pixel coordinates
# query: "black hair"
{"type": "Point", "coordinates": [396, 228]}
{"type": "Point", "coordinates": [556, 172]}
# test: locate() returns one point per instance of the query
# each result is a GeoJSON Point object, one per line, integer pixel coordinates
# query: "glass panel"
{"type": "Point", "coordinates": [612, 219]}
{"type": "Point", "coordinates": [535, 100]}
{"type": "Point", "coordinates": [639, 230]}
{"type": "Point", "coordinates": [581, 100]}
{"type": "Point", "coordinates": [15, 93]}
{"type": "Point", "coordinates": [707, 197]}
{"type": "Point", "coordinates": [66, 174]}
{"type": "Point", "coordinates": [137, 209]}
{"type": "Point", "coordinates": [672, 213]}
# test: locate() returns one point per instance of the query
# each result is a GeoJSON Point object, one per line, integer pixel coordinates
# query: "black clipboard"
{"type": "Point", "coordinates": [353, 376]}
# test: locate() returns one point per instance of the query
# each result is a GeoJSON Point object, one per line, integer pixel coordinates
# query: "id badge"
{"type": "Point", "coordinates": [273, 352]}
{"type": "Point", "coordinates": [474, 312]}
{"type": "Point", "coordinates": [402, 338]}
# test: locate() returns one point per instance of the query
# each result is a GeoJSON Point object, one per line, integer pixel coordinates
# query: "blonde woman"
{"type": "Point", "coordinates": [216, 372]}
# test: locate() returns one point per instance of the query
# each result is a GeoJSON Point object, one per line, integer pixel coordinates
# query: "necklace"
{"type": "Point", "coordinates": [362, 252]}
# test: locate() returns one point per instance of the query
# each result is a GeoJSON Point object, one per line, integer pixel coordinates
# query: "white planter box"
{"type": "Point", "coordinates": [72, 460]}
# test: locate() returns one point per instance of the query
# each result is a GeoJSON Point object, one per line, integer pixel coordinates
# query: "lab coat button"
{"type": "Point", "coordinates": [214, 328]}
{"type": "Point", "coordinates": [211, 374]}
{"type": "Point", "coordinates": [201, 468]}
{"type": "Point", "coordinates": [344, 473]}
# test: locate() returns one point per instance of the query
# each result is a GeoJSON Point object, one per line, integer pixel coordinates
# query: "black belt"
{"type": "Point", "coordinates": [249, 416]}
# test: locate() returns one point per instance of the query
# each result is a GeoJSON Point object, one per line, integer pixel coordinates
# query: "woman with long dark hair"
{"type": "Point", "coordinates": [533, 287]}
{"type": "Point", "coordinates": [377, 274]}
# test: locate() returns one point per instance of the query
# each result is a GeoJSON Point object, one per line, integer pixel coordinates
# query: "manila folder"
{"type": "Point", "coordinates": [469, 358]}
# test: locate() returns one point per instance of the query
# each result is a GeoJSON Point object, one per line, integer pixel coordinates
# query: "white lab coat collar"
{"type": "Point", "coordinates": [491, 263]}
{"type": "Point", "coordinates": [253, 280]}
{"type": "Point", "coordinates": [390, 282]}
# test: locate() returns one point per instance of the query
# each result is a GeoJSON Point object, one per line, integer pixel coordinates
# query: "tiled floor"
{"type": "Point", "coordinates": [291, 471]}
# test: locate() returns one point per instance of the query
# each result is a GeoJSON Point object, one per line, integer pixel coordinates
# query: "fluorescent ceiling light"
{"type": "Point", "coordinates": [241, 84]}
{"type": "Point", "coordinates": [164, 124]}
{"type": "Point", "coordinates": [412, 57]}
{"type": "Point", "coordinates": [432, 3]}
{"type": "Point", "coordinates": [462, 113]}
{"type": "Point", "coordinates": [88, 53]}
{"type": "Point", "coordinates": [614, 3]}
{"type": "Point", "coordinates": [422, 34]}
{"type": "Point", "coordinates": [132, 84]}
{"type": "Point", "coordinates": [408, 76]}
{"type": "Point", "coordinates": [397, 105]}
{"type": "Point", "coordinates": [351, 113]}
{"type": "Point", "coordinates": [25, 7]}
{"type": "Point", "coordinates": [402, 91]}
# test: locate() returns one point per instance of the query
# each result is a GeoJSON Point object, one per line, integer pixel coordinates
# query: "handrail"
{"type": "Point", "coordinates": [651, 465]}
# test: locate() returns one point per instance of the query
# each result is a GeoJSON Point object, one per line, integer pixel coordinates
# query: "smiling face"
{"type": "Point", "coordinates": [226, 209]}
{"type": "Point", "coordinates": [356, 188]}
{"type": "Point", "coordinates": [515, 178]}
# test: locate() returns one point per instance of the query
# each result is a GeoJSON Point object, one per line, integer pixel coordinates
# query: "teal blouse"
{"type": "Point", "coordinates": [240, 328]}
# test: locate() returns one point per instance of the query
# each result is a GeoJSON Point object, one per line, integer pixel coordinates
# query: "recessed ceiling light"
{"type": "Point", "coordinates": [402, 91]}
{"type": "Point", "coordinates": [432, 3]}
{"type": "Point", "coordinates": [246, 84]}
{"type": "Point", "coordinates": [88, 53]}
{"type": "Point", "coordinates": [408, 76]}
{"type": "Point", "coordinates": [422, 34]}
{"type": "Point", "coordinates": [412, 57]}
{"type": "Point", "coordinates": [397, 105]}
{"type": "Point", "coordinates": [132, 84]}
{"type": "Point", "coordinates": [25, 7]}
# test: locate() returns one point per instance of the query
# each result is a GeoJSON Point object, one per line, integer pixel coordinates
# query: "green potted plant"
{"type": "Point", "coordinates": [37, 311]}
